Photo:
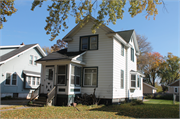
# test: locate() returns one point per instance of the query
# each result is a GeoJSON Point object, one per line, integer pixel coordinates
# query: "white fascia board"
{"type": "Point", "coordinates": [11, 46]}
{"type": "Point", "coordinates": [41, 50]}
{"type": "Point", "coordinates": [37, 45]}
{"type": "Point", "coordinates": [119, 38]}
{"type": "Point", "coordinates": [79, 55]}
{"type": "Point", "coordinates": [78, 62]}
{"type": "Point", "coordinates": [30, 74]}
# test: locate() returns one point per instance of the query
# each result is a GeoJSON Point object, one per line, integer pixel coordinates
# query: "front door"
{"type": "Point", "coordinates": [49, 75]}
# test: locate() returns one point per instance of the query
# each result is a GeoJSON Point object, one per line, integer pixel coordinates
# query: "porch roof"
{"type": "Point", "coordinates": [60, 55]}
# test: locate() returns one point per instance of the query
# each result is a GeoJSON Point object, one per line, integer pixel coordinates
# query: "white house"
{"type": "Point", "coordinates": [106, 60]}
{"type": "Point", "coordinates": [19, 73]}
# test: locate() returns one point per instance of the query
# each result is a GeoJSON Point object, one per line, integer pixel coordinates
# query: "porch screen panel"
{"type": "Point", "coordinates": [61, 75]}
{"type": "Point", "coordinates": [72, 74]}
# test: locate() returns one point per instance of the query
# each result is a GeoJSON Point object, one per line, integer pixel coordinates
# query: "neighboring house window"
{"type": "Point", "coordinates": [122, 49]}
{"type": "Point", "coordinates": [37, 81]}
{"type": "Point", "coordinates": [8, 78]}
{"type": "Point", "coordinates": [132, 54]}
{"type": "Point", "coordinates": [75, 75]}
{"type": "Point", "coordinates": [90, 77]}
{"type": "Point", "coordinates": [29, 80]}
{"type": "Point", "coordinates": [33, 81]}
{"type": "Point", "coordinates": [175, 90]}
{"type": "Point", "coordinates": [61, 74]}
{"type": "Point", "coordinates": [35, 58]}
{"type": "Point", "coordinates": [122, 79]}
{"type": "Point", "coordinates": [14, 79]}
{"type": "Point", "coordinates": [133, 80]}
{"type": "Point", "coordinates": [31, 59]}
{"type": "Point", "coordinates": [89, 43]}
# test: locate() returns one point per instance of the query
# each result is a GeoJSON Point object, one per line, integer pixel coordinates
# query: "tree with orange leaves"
{"type": "Point", "coordinates": [152, 66]}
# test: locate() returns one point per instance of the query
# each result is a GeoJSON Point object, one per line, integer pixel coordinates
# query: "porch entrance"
{"type": "Point", "coordinates": [49, 76]}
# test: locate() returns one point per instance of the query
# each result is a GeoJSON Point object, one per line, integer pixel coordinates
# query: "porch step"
{"type": "Point", "coordinates": [41, 101]}
{"type": "Point", "coordinates": [36, 105]}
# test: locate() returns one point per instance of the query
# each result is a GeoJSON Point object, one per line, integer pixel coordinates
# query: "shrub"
{"type": "Point", "coordinates": [136, 102]}
{"type": "Point", "coordinates": [149, 97]}
{"type": "Point", "coordinates": [158, 97]}
{"type": "Point", "coordinates": [6, 98]}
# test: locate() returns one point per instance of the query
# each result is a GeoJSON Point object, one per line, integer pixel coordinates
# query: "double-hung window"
{"type": "Point", "coordinates": [133, 80]}
{"type": "Point", "coordinates": [122, 49]}
{"type": "Point", "coordinates": [89, 42]}
{"type": "Point", "coordinates": [31, 60]}
{"type": "Point", "coordinates": [132, 54]}
{"type": "Point", "coordinates": [122, 79]}
{"type": "Point", "coordinates": [35, 58]}
{"type": "Point", "coordinates": [61, 75]}
{"type": "Point", "coordinates": [37, 81]}
{"type": "Point", "coordinates": [29, 80]}
{"type": "Point", "coordinates": [90, 77]}
{"type": "Point", "coordinates": [8, 79]}
{"type": "Point", "coordinates": [33, 81]}
{"type": "Point", "coordinates": [14, 79]}
{"type": "Point", "coordinates": [75, 75]}
{"type": "Point", "coordinates": [175, 90]}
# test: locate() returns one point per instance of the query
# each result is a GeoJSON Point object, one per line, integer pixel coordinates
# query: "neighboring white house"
{"type": "Point", "coordinates": [19, 73]}
{"type": "Point", "coordinates": [148, 88]}
{"type": "Point", "coordinates": [106, 60]}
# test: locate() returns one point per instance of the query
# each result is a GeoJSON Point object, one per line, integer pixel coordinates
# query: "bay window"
{"type": "Point", "coordinates": [75, 75]}
{"type": "Point", "coordinates": [133, 80]}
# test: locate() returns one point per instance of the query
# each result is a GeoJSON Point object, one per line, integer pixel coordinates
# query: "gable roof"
{"type": "Point", "coordinates": [6, 57]}
{"type": "Point", "coordinates": [149, 85]}
{"type": "Point", "coordinates": [175, 83]}
{"type": "Point", "coordinates": [61, 55]}
{"type": "Point", "coordinates": [126, 35]}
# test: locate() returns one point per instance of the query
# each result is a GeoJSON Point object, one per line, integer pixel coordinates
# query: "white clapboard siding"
{"type": "Point", "coordinates": [133, 66]}
{"type": "Point", "coordinates": [119, 62]}
{"type": "Point", "coordinates": [102, 58]}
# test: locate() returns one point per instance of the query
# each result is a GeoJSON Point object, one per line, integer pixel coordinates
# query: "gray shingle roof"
{"type": "Point", "coordinates": [15, 52]}
{"type": "Point", "coordinates": [60, 55]}
{"type": "Point", "coordinates": [126, 35]}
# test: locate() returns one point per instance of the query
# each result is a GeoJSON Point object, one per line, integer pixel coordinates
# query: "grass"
{"type": "Point", "coordinates": [147, 110]}
{"type": "Point", "coordinates": [11, 107]}
{"type": "Point", "coordinates": [159, 101]}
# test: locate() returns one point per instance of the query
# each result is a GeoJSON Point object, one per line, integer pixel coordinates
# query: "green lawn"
{"type": "Point", "coordinates": [159, 101]}
{"type": "Point", "coordinates": [147, 110]}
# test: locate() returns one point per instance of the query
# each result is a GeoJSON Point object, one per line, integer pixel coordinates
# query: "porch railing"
{"type": "Point", "coordinates": [35, 93]}
{"type": "Point", "coordinates": [51, 95]}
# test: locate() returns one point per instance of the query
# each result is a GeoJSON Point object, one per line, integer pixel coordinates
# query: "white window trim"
{"type": "Point", "coordinates": [91, 77]}
{"type": "Point", "coordinates": [33, 60]}
{"type": "Point", "coordinates": [11, 76]}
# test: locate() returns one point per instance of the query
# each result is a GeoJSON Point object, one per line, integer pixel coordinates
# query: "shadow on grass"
{"type": "Point", "coordinates": [143, 111]}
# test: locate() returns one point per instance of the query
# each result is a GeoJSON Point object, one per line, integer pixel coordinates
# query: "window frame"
{"type": "Point", "coordinates": [89, 43]}
{"type": "Point", "coordinates": [31, 60]}
{"type": "Point", "coordinates": [11, 78]}
{"type": "Point", "coordinates": [175, 89]}
{"type": "Point", "coordinates": [90, 86]}
{"type": "Point", "coordinates": [62, 75]}
{"type": "Point", "coordinates": [75, 75]}
{"type": "Point", "coordinates": [132, 54]}
{"type": "Point", "coordinates": [122, 79]}
{"type": "Point", "coordinates": [133, 80]}
{"type": "Point", "coordinates": [122, 49]}
{"type": "Point", "coordinates": [35, 58]}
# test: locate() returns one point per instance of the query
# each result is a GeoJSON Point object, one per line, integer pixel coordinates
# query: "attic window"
{"type": "Point", "coordinates": [89, 42]}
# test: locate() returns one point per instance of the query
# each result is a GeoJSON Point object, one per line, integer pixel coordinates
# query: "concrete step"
{"type": "Point", "coordinates": [39, 102]}
{"type": "Point", "coordinates": [36, 105]}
